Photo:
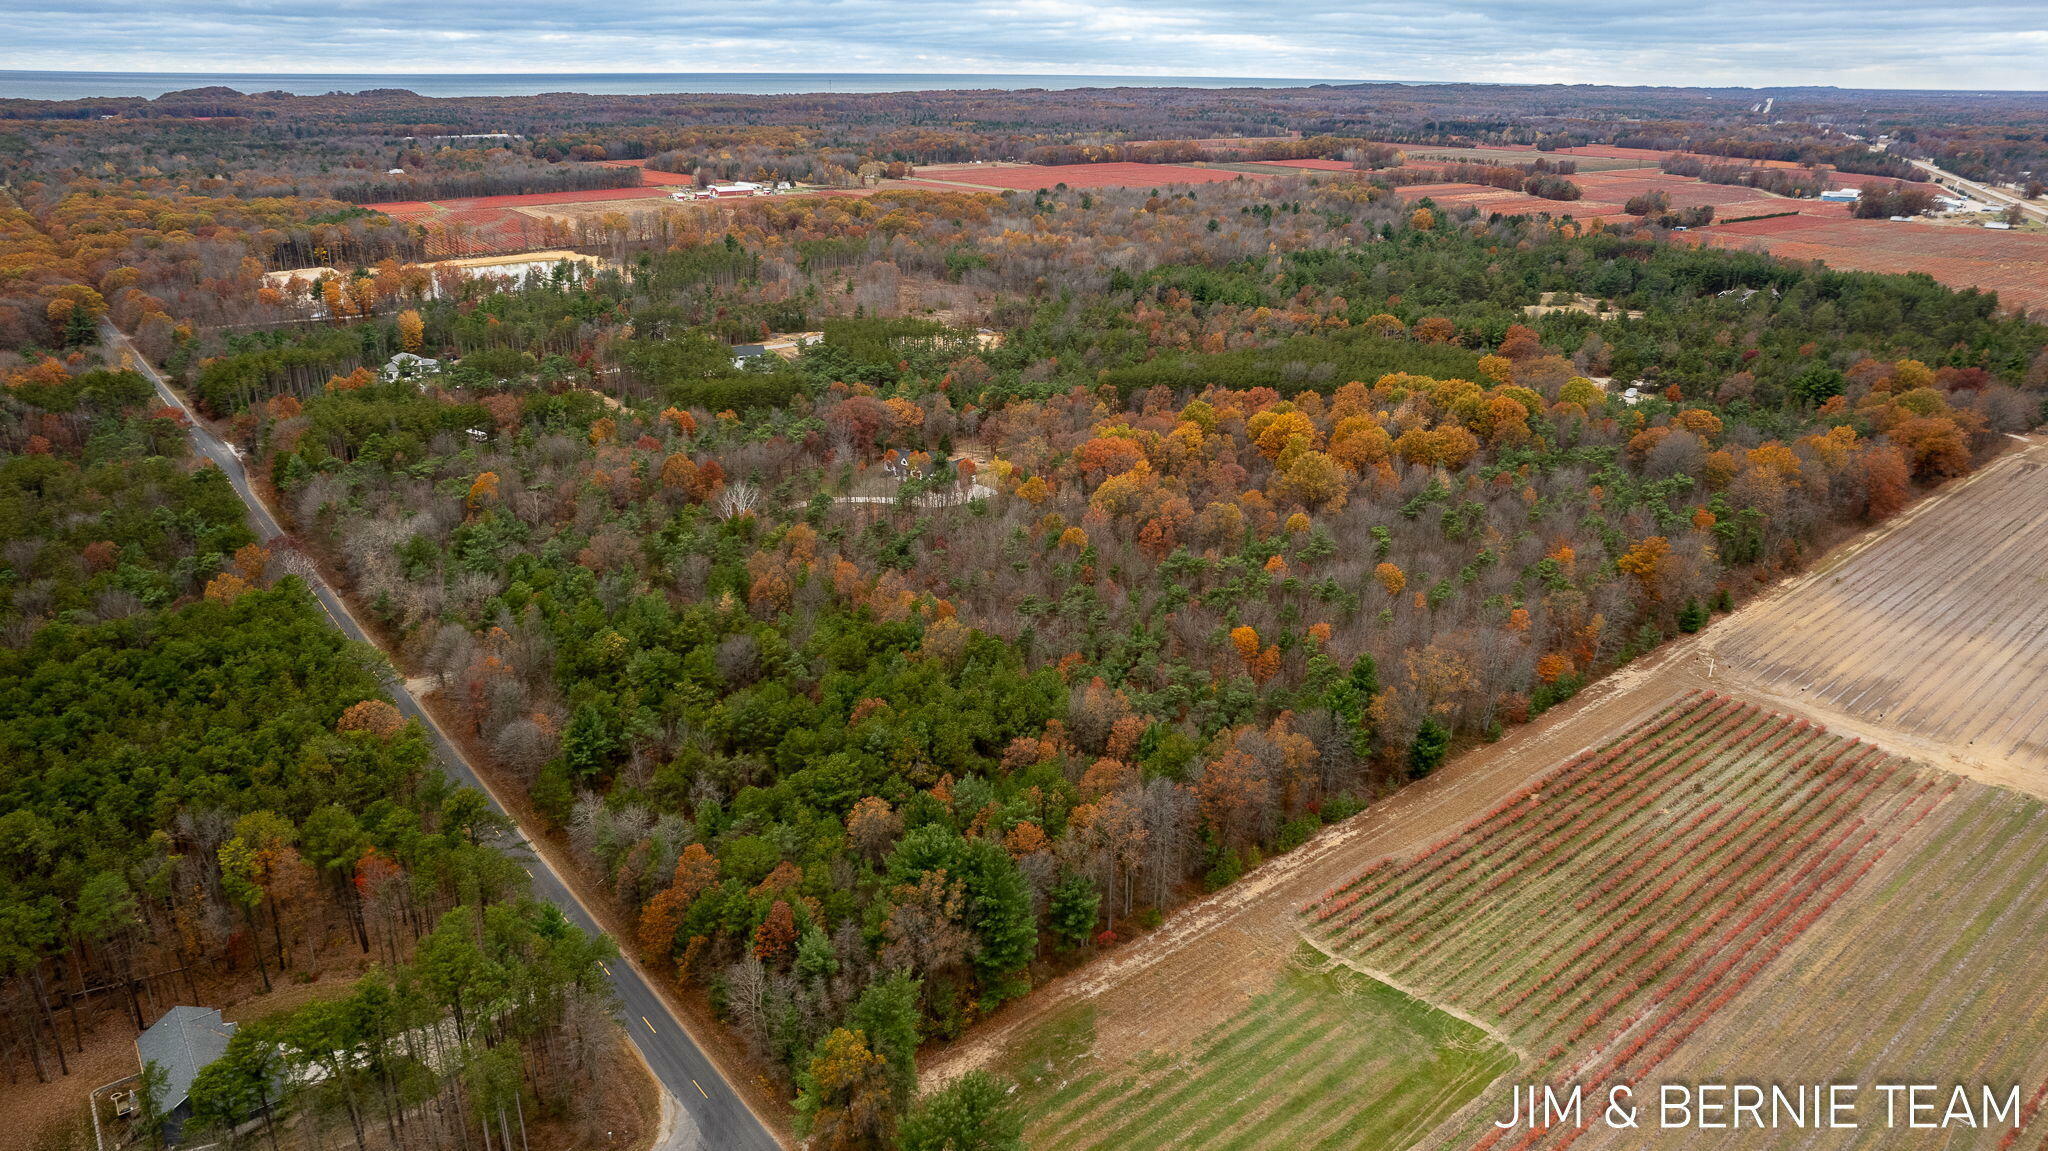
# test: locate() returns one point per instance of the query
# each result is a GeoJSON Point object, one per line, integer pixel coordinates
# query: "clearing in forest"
{"type": "Point", "coordinates": [1328, 1058]}
{"type": "Point", "coordinates": [1932, 639]}
{"type": "Point", "coordinates": [1606, 912]}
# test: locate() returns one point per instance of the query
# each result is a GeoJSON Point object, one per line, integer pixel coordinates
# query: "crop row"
{"type": "Point", "coordinates": [1506, 840]}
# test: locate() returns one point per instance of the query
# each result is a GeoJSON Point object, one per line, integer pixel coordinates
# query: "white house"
{"type": "Point", "coordinates": [406, 366]}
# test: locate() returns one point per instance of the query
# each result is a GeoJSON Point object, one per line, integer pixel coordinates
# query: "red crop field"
{"type": "Point", "coordinates": [1033, 177]}
{"type": "Point", "coordinates": [2013, 264]}
{"type": "Point", "coordinates": [1685, 191]}
{"type": "Point", "coordinates": [1603, 914]}
{"type": "Point", "coordinates": [1859, 180]}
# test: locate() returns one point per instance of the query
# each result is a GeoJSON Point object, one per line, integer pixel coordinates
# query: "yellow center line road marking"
{"type": "Point", "coordinates": [650, 1026]}
{"type": "Point", "coordinates": [700, 1089]}
{"type": "Point", "coordinates": [603, 968]}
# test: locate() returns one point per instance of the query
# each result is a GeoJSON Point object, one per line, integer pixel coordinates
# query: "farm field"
{"type": "Point", "coordinates": [1490, 200]}
{"type": "Point", "coordinates": [1929, 975]}
{"type": "Point", "coordinates": [652, 176]}
{"type": "Point", "coordinates": [1729, 200]}
{"type": "Point", "coordinates": [1312, 165]}
{"type": "Point", "coordinates": [2013, 264]}
{"type": "Point", "coordinates": [497, 225]}
{"type": "Point", "coordinates": [1608, 911]}
{"type": "Point", "coordinates": [1424, 153]}
{"type": "Point", "coordinates": [1031, 177]}
{"type": "Point", "coordinates": [1328, 1058]}
{"type": "Point", "coordinates": [1933, 639]}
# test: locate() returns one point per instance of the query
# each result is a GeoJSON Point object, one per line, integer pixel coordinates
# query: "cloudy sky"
{"type": "Point", "coordinates": [1853, 43]}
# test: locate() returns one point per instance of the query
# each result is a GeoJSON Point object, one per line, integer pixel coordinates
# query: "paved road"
{"type": "Point", "coordinates": [715, 1117]}
{"type": "Point", "coordinates": [1997, 197]}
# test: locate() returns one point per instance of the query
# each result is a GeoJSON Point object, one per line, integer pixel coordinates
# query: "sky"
{"type": "Point", "coordinates": [1976, 44]}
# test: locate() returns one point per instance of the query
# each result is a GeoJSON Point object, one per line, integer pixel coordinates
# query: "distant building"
{"type": "Point", "coordinates": [183, 1042]}
{"type": "Point", "coordinates": [1841, 195]}
{"type": "Point", "coordinates": [734, 189]}
{"type": "Point", "coordinates": [784, 344]}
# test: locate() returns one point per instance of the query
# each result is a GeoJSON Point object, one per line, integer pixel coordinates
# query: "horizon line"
{"type": "Point", "coordinates": [1292, 80]}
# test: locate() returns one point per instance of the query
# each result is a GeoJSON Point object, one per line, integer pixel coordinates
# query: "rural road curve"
{"type": "Point", "coordinates": [714, 1115]}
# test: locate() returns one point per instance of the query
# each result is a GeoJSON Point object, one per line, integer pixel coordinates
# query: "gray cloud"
{"type": "Point", "coordinates": [1866, 43]}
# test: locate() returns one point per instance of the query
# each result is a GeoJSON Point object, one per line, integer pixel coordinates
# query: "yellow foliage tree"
{"type": "Point", "coordinates": [412, 331]}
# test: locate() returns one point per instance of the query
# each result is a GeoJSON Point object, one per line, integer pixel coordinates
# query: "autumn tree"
{"type": "Point", "coordinates": [412, 331]}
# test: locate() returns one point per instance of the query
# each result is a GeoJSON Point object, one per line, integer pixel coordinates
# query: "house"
{"type": "Point", "coordinates": [786, 345]}
{"type": "Point", "coordinates": [406, 366]}
{"type": "Point", "coordinates": [185, 1040]}
{"type": "Point", "coordinates": [683, 194]}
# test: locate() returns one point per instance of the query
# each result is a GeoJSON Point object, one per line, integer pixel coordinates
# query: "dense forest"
{"type": "Point", "coordinates": [200, 773]}
{"type": "Point", "coordinates": [1102, 544]}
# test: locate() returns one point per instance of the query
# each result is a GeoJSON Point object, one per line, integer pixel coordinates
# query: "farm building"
{"type": "Point", "coordinates": [736, 188]}
{"type": "Point", "coordinates": [185, 1040]}
{"type": "Point", "coordinates": [1840, 196]}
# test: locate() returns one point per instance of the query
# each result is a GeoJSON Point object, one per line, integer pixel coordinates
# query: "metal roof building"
{"type": "Point", "coordinates": [183, 1041]}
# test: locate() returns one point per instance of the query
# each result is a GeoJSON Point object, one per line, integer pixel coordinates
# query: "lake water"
{"type": "Point", "coordinates": [80, 85]}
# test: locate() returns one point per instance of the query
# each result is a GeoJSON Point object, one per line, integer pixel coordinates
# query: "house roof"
{"type": "Point", "coordinates": [183, 1041]}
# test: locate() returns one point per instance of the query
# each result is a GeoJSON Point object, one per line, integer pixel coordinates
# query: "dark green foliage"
{"type": "Point", "coordinates": [887, 1015]}
{"type": "Point", "coordinates": [234, 703]}
{"type": "Point", "coordinates": [1431, 745]}
{"type": "Point", "coordinates": [972, 1113]}
{"type": "Point", "coordinates": [1693, 616]}
{"type": "Point", "coordinates": [1073, 908]}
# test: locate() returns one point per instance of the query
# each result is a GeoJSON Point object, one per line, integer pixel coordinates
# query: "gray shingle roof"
{"type": "Point", "coordinates": [183, 1041]}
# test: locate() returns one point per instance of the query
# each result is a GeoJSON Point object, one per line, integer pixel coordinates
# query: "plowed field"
{"type": "Point", "coordinates": [1934, 639]}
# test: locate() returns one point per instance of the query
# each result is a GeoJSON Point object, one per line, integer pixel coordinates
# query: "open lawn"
{"type": "Point", "coordinates": [1327, 1058]}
